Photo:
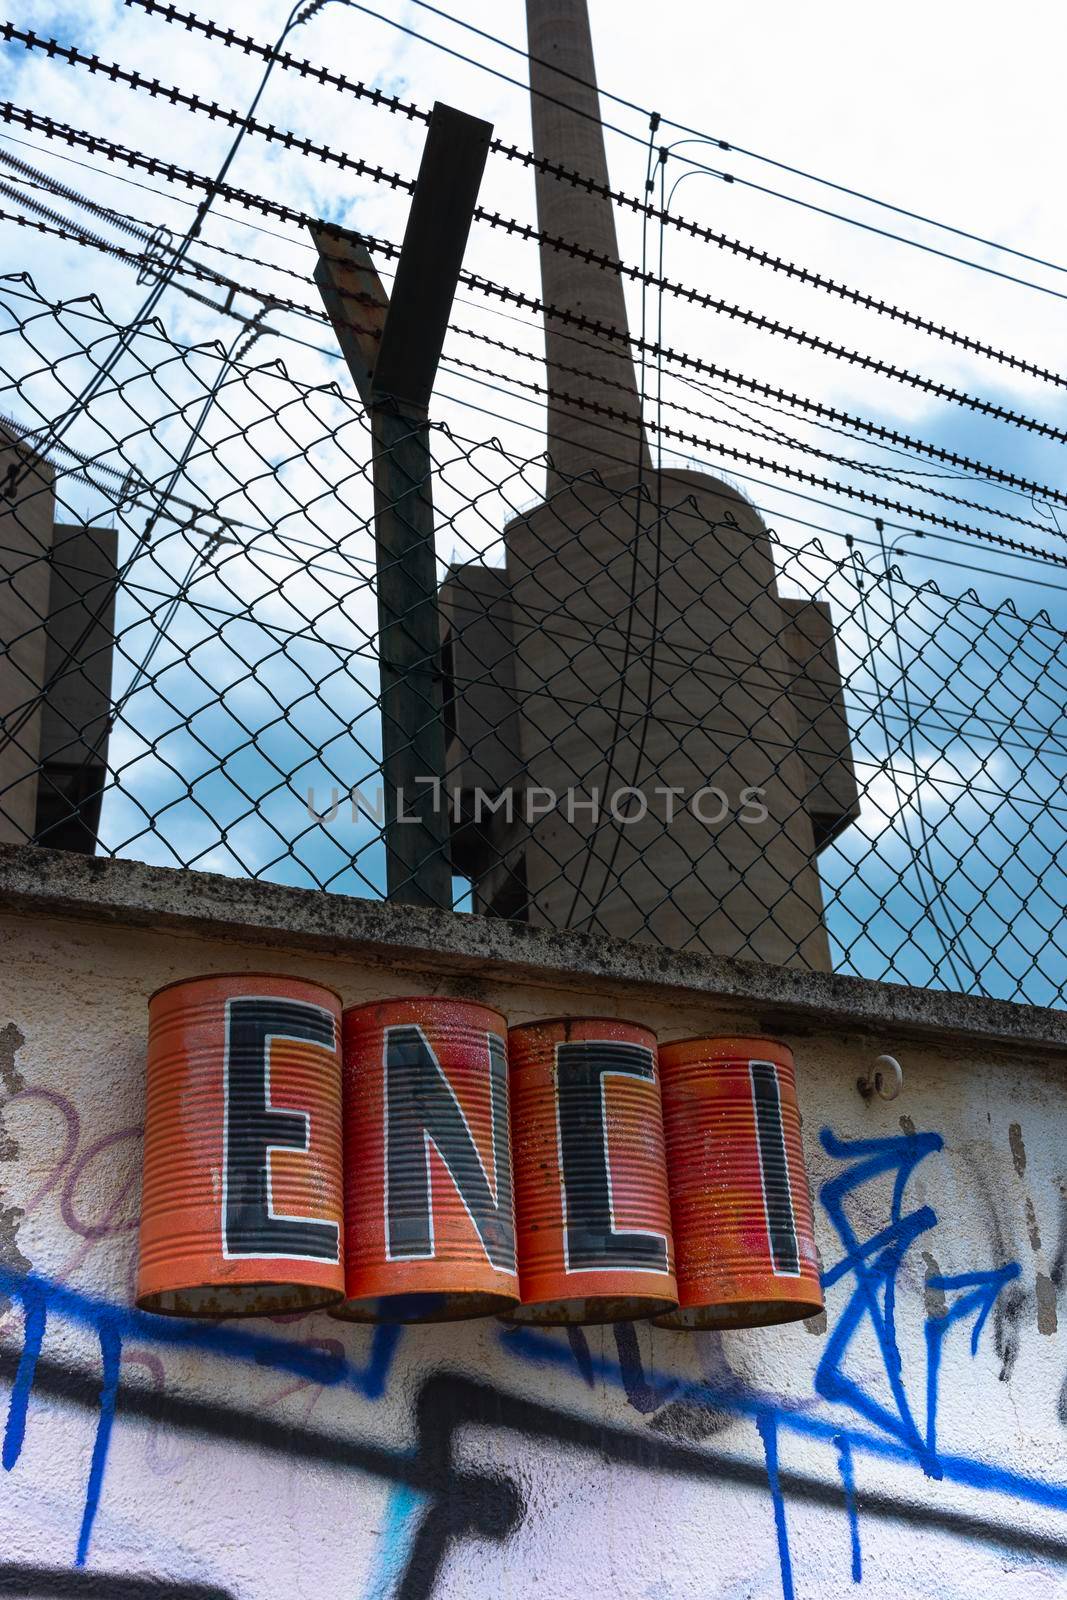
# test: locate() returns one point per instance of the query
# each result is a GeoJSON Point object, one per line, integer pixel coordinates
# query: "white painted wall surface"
{"type": "Point", "coordinates": [466, 1460]}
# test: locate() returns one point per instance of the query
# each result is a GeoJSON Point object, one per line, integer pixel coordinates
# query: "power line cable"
{"type": "Point", "coordinates": [754, 155]}
{"type": "Point", "coordinates": [727, 177]}
{"type": "Point", "coordinates": [660, 214]}
{"type": "Point", "coordinates": [145, 231]}
{"type": "Point", "coordinates": [37, 122]}
{"type": "Point", "coordinates": [1008, 545]}
{"type": "Point", "coordinates": [877, 431]}
{"type": "Point", "coordinates": [727, 145]}
{"type": "Point", "coordinates": [580, 404]}
{"type": "Point", "coordinates": [572, 404]}
{"type": "Point", "coordinates": [813, 409]}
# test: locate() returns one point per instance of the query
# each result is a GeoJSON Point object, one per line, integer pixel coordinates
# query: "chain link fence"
{"type": "Point", "coordinates": [644, 712]}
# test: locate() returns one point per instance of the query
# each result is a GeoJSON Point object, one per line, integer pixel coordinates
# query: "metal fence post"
{"type": "Point", "coordinates": [392, 346]}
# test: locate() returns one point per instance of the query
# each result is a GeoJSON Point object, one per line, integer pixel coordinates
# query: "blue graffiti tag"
{"type": "Point", "coordinates": [893, 1433]}
{"type": "Point", "coordinates": [114, 1325]}
{"type": "Point", "coordinates": [868, 1268]}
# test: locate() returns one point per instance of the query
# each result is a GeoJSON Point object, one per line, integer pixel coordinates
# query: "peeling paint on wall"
{"type": "Point", "coordinates": [1045, 1292]}
{"type": "Point", "coordinates": [11, 1042]}
{"type": "Point", "coordinates": [1032, 1228]}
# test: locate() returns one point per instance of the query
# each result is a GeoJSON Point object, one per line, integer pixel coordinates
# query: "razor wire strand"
{"type": "Point", "coordinates": [572, 402]}
{"type": "Point", "coordinates": [170, 171]}
{"type": "Point", "coordinates": [169, 14]}
{"type": "Point", "coordinates": [991, 473]}
{"type": "Point", "coordinates": [137, 82]}
{"type": "Point", "coordinates": [661, 214]}
{"type": "Point", "coordinates": [711, 139]}
{"type": "Point", "coordinates": [813, 410]}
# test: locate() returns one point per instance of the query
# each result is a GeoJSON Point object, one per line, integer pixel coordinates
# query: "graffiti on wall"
{"type": "Point", "coordinates": [873, 1403]}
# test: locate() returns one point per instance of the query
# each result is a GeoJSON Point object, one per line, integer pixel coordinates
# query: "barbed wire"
{"type": "Point", "coordinates": [813, 409]}
{"type": "Point", "coordinates": [655, 120]}
{"type": "Point", "coordinates": [714, 140]}
{"type": "Point", "coordinates": [172, 172]}
{"type": "Point", "coordinates": [577, 403]}
{"type": "Point", "coordinates": [143, 230]}
{"type": "Point", "coordinates": [138, 82]}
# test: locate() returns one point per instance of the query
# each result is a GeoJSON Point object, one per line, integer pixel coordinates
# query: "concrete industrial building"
{"type": "Point", "coordinates": [57, 613]}
{"type": "Point", "coordinates": [635, 640]}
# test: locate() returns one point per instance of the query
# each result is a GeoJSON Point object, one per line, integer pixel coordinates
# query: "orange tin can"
{"type": "Point", "coordinates": [242, 1208]}
{"type": "Point", "coordinates": [429, 1219]}
{"type": "Point", "coordinates": [591, 1203]}
{"type": "Point", "coordinates": [740, 1202]}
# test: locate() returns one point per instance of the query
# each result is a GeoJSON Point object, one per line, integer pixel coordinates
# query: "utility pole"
{"type": "Point", "coordinates": [392, 347]}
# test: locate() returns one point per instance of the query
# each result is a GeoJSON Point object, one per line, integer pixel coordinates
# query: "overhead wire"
{"type": "Point", "coordinates": [170, 13]}
{"type": "Point", "coordinates": [143, 229]}
{"type": "Point", "coordinates": [1019, 552]}
{"type": "Point", "coordinates": [729, 145]}
{"type": "Point", "coordinates": [577, 403]}
{"type": "Point", "coordinates": [112, 151]}
{"type": "Point", "coordinates": [877, 431]}
{"type": "Point", "coordinates": [570, 405]}
{"type": "Point", "coordinates": [661, 214]}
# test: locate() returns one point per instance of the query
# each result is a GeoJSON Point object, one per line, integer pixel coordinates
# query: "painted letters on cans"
{"type": "Point", "coordinates": [740, 1203]}
{"type": "Point", "coordinates": [591, 1204]}
{"type": "Point", "coordinates": [242, 1206]}
{"type": "Point", "coordinates": [430, 1227]}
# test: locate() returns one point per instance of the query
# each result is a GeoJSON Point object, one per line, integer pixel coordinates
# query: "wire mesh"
{"type": "Point", "coordinates": [660, 719]}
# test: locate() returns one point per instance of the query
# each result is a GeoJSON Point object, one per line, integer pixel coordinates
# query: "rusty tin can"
{"type": "Point", "coordinates": [242, 1207]}
{"type": "Point", "coordinates": [591, 1202]}
{"type": "Point", "coordinates": [429, 1219]}
{"type": "Point", "coordinates": [740, 1202]}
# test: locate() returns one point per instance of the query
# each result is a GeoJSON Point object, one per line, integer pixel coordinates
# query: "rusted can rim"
{"type": "Point", "coordinates": [549, 1022]}
{"type": "Point", "coordinates": [434, 999]}
{"type": "Point", "coordinates": [318, 1299]}
{"type": "Point", "coordinates": [278, 977]}
{"type": "Point", "coordinates": [739, 1038]}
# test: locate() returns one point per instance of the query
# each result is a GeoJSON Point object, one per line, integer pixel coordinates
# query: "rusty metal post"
{"type": "Point", "coordinates": [392, 348]}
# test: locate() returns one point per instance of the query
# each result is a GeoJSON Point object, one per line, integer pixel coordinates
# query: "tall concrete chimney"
{"type": "Point", "coordinates": [635, 645]}
{"type": "Point", "coordinates": [565, 110]}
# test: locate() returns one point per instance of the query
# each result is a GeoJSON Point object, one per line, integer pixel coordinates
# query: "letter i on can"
{"type": "Point", "coordinates": [742, 1213]}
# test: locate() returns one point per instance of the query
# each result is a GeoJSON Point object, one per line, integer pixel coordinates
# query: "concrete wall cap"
{"type": "Point", "coordinates": [787, 1000]}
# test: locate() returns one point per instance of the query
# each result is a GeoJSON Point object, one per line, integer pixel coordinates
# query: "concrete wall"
{"type": "Point", "coordinates": [27, 505]}
{"type": "Point", "coordinates": [906, 1452]}
{"type": "Point", "coordinates": [57, 617]}
{"type": "Point", "coordinates": [78, 668]}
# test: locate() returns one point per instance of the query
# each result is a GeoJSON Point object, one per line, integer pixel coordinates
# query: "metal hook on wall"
{"type": "Point", "coordinates": [884, 1078]}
